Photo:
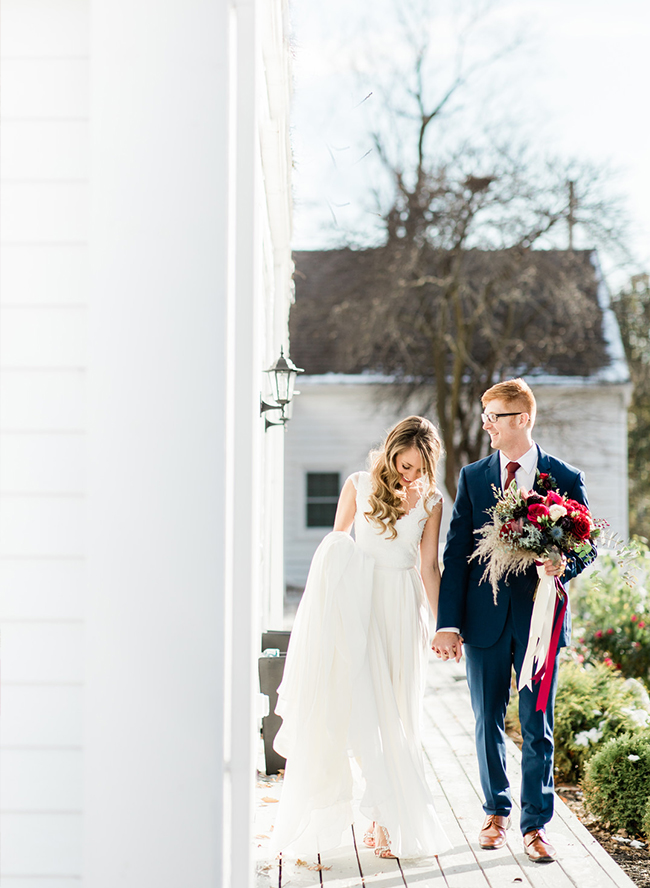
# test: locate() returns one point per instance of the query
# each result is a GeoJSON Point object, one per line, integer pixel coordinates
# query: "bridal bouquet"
{"type": "Point", "coordinates": [527, 528]}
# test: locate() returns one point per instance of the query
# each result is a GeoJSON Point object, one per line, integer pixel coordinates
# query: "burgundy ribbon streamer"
{"type": "Point", "coordinates": [545, 674]}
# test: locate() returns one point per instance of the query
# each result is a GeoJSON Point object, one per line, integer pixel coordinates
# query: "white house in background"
{"type": "Point", "coordinates": [146, 281]}
{"type": "Point", "coordinates": [341, 415]}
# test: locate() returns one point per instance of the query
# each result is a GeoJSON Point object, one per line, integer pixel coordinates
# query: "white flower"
{"type": "Point", "coordinates": [584, 738]}
{"type": "Point", "coordinates": [556, 512]}
{"type": "Point", "coordinates": [596, 711]}
{"type": "Point", "coordinates": [633, 758]}
{"type": "Point", "coordinates": [640, 716]}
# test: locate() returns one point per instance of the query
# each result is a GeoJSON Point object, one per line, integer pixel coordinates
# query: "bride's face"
{"type": "Point", "coordinates": [409, 465]}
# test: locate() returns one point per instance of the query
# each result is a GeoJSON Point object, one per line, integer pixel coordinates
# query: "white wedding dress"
{"type": "Point", "coordinates": [352, 690]}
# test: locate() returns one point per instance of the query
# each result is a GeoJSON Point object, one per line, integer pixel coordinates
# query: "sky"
{"type": "Point", "coordinates": [576, 85]}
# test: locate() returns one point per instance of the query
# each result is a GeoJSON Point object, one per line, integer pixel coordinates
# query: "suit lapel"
{"type": "Point", "coordinates": [492, 472]}
{"type": "Point", "coordinates": [543, 466]}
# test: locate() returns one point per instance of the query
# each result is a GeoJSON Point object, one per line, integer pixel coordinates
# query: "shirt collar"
{"type": "Point", "coordinates": [528, 461]}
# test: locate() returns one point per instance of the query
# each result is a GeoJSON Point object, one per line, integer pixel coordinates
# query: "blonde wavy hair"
{"type": "Point", "coordinates": [388, 498]}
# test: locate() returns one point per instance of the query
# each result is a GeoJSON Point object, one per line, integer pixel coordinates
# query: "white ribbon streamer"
{"type": "Point", "coordinates": [541, 629]}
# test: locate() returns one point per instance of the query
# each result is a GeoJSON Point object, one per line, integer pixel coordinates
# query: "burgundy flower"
{"type": "Point", "coordinates": [581, 527]}
{"type": "Point", "coordinates": [534, 498]}
{"type": "Point", "coordinates": [598, 633]}
{"type": "Point", "coordinates": [574, 506]}
{"type": "Point", "coordinates": [536, 512]}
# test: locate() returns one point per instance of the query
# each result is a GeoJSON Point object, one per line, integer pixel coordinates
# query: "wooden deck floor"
{"type": "Point", "coordinates": [452, 772]}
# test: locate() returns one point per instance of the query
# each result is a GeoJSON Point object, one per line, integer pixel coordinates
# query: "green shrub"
{"type": "Point", "coordinates": [612, 613]}
{"type": "Point", "coordinates": [593, 705]}
{"type": "Point", "coordinates": [617, 782]}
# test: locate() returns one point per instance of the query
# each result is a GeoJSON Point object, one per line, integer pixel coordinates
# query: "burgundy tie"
{"type": "Point", "coordinates": [512, 468]}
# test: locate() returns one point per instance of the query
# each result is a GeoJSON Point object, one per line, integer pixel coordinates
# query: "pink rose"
{"type": "Point", "coordinates": [554, 499]}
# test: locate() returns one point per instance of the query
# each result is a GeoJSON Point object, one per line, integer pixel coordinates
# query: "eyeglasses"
{"type": "Point", "coordinates": [492, 417]}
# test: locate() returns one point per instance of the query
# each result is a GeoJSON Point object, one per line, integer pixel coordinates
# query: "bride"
{"type": "Point", "coordinates": [352, 690]}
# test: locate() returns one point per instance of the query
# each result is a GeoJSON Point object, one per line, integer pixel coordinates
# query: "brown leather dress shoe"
{"type": "Point", "coordinates": [538, 847]}
{"type": "Point", "coordinates": [493, 832]}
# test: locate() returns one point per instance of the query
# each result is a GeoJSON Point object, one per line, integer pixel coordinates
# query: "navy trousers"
{"type": "Point", "coordinates": [489, 673]}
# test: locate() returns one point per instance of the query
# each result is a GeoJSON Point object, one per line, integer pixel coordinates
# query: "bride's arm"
{"type": "Point", "coordinates": [346, 508]}
{"type": "Point", "coordinates": [429, 565]}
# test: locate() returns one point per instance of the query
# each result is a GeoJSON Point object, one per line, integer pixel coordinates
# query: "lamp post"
{"type": "Point", "coordinates": [283, 377]}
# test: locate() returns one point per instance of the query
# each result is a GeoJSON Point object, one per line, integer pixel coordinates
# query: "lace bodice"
{"type": "Point", "coordinates": [400, 553]}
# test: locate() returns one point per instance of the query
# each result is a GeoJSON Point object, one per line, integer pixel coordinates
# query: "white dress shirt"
{"type": "Point", "coordinates": [524, 477]}
{"type": "Point", "coordinates": [525, 474]}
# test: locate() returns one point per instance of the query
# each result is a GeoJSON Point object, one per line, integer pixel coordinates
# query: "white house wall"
{"type": "Point", "coordinates": [44, 287]}
{"type": "Point", "coordinates": [335, 424]}
{"type": "Point", "coordinates": [145, 275]}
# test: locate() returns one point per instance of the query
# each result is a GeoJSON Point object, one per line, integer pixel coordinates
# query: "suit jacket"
{"type": "Point", "coordinates": [467, 602]}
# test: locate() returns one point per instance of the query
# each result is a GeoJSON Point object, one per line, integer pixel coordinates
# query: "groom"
{"type": "Point", "coordinates": [496, 636]}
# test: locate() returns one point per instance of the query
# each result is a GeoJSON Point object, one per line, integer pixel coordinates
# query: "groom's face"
{"type": "Point", "coordinates": [507, 432]}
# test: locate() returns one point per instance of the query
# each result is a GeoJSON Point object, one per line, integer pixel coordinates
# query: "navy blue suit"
{"type": "Point", "coordinates": [495, 640]}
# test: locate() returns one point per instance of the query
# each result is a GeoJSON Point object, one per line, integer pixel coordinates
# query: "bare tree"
{"type": "Point", "coordinates": [466, 288]}
{"type": "Point", "coordinates": [632, 307]}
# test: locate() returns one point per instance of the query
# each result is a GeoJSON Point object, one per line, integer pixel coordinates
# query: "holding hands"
{"type": "Point", "coordinates": [447, 646]}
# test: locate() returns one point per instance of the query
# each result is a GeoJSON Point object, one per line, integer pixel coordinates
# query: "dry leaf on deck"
{"type": "Point", "coordinates": [268, 799]}
{"type": "Point", "coordinates": [317, 867]}
{"type": "Point", "coordinates": [261, 837]}
{"type": "Point", "coordinates": [300, 862]}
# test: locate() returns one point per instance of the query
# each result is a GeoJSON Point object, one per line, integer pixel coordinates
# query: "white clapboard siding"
{"type": "Point", "coordinates": [43, 846]}
{"type": "Point", "coordinates": [40, 88]}
{"type": "Point", "coordinates": [42, 588]}
{"type": "Point", "coordinates": [43, 284]}
{"type": "Point", "coordinates": [45, 150]}
{"type": "Point", "coordinates": [48, 463]}
{"type": "Point", "coordinates": [44, 274]}
{"type": "Point", "coordinates": [44, 29]}
{"type": "Point", "coordinates": [335, 423]}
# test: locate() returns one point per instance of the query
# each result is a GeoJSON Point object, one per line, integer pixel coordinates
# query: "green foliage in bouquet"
{"type": "Point", "coordinates": [617, 782]}
{"type": "Point", "coordinates": [612, 613]}
{"type": "Point", "coordinates": [592, 706]}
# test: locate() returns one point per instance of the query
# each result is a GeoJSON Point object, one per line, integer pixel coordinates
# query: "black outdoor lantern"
{"type": "Point", "coordinates": [283, 378]}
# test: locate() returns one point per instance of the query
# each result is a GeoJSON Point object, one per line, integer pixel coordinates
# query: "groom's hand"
{"type": "Point", "coordinates": [447, 646]}
{"type": "Point", "coordinates": [553, 567]}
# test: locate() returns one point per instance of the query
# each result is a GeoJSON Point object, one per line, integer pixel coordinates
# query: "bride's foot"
{"type": "Point", "coordinates": [369, 836]}
{"type": "Point", "coordinates": [382, 842]}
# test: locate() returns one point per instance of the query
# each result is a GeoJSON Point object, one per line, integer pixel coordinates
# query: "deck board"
{"type": "Point", "coordinates": [452, 772]}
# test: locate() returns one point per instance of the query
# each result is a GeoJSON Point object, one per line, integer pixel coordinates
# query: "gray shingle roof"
{"type": "Point", "coordinates": [337, 291]}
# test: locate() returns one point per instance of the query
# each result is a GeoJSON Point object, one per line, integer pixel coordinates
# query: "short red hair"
{"type": "Point", "coordinates": [515, 393]}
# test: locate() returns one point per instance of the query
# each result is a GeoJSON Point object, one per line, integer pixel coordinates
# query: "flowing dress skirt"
{"type": "Point", "coordinates": [352, 690]}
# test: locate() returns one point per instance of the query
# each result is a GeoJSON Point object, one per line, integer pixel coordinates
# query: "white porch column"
{"type": "Point", "coordinates": [159, 464]}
